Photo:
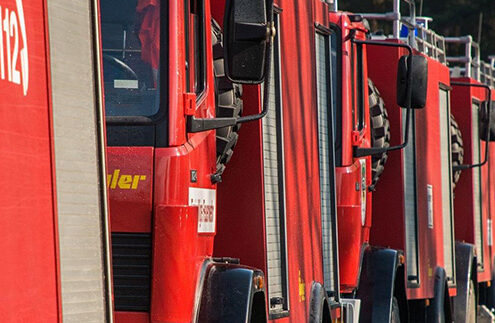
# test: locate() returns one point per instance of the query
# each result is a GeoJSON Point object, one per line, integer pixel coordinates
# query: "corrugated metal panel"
{"type": "Point", "coordinates": [322, 82]}
{"type": "Point", "coordinates": [410, 202]}
{"type": "Point", "coordinates": [274, 193]}
{"type": "Point", "coordinates": [78, 174]}
{"type": "Point", "coordinates": [478, 217]}
{"type": "Point", "coordinates": [447, 218]}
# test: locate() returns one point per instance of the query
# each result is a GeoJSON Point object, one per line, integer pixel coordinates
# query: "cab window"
{"type": "Point", "coordinates": [131, 56]}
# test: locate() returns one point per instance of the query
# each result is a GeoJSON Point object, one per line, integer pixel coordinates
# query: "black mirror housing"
{"type": "Point", "coordinates": [484, 122]}
{"type": "Point", "coordinates": [419, 83]}
{"type": "Point", "coordinates": [245, 33]}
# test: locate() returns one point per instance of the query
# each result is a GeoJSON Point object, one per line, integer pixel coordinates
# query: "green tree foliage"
{"type": "Point", "coordinates": [450, 17]}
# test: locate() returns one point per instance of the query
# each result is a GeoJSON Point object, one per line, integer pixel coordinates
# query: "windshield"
{"type": "Point", "coordinates": [131, 56]}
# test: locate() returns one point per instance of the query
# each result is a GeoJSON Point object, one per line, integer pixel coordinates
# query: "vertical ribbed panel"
{"type": "Point", "coordinates": [273, 166]}
{"type": "Point", "coordinates": [322, 83]}
{"type": "Point", "coordinates": [447, 219]}
{"type": "Point", "coordinates": [131, 264]}
{"type": "Point", "coordinates": [77, 161]}
{"type": "Point", "coordinates": [410, 200]}
{"type": "Point", "coordinates": [478, 216]}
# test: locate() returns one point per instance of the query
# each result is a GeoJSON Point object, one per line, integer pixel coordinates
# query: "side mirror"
{"type": "Point", "coordinates": [485, 120]}
{"type": "Point", "coordinates": [419, 83]}
{"type": "Point", "coordinates": [246, 30]}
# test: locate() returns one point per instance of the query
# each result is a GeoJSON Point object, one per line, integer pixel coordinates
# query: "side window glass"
{"type": "Point", "coordinates": [131, 56]}
{"type": "Point", "coordinates": [357, 87]}
{"type": "Point", "coordinates": [360, 87]}
{"type": "Point", "coordinates": [336, 93]}
{"type": "Point", "coordinates": [195, 46]}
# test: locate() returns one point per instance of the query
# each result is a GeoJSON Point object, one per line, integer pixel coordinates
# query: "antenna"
{"type": "Point", "coordinates": [480, 25]}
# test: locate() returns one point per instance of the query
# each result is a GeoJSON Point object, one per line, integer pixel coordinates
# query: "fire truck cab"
{"type": "Point", "coordinates": [166, 91]}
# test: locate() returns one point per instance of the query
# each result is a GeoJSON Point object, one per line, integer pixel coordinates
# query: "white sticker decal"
{"type": "Point", "coordinates": [205, 199]}
{"type": "Point", "coordinates": [13, 54]}
{"type": "Point", "coordinates": [362, 162]}
{"type": "Point", "coordinates": [489, 233]}
{"type": "Point", "coordinates": [429, 190]}
{"type": "Point", "coordinates": [125, 84]}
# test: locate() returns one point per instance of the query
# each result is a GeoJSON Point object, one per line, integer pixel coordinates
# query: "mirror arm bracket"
{"type": "Point", "coordinates": [245, 31]}
{"type": "Point", "coordinates": [362, 152]}
{"type": "Point", "coordinates": [463, 167]}
{"type": "Point", "coordinates": [487, 142]}
{"type": "Point", "coordinates": [204, 124]}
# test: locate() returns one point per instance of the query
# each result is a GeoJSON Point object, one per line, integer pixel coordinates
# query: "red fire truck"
{"type": "Point", "coordinates": [470, 100]}
{"type": "Point", "coordinates": [290, 240]}
{"type": "Point", "coordinates": [368, 269]}
{"type": "Point", "coordinates": [165, 67]}
{"type": "Point", "coordinates": [416, 278]}
{"type": "Point", "coordinates": [277, 197]}
{"type": "Point", "coordinates": [410, 209]}
{"type": "Point", "coordinates": [437, 268]}
{"type": "Point", "coordinates": [421, 199]}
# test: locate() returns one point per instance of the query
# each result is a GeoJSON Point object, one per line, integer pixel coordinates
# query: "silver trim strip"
{"type": "Point", "coordinates": [102, 154]}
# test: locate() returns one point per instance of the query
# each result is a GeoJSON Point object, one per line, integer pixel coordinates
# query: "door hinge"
{"type": "Point", "coordinates": [189, 103]}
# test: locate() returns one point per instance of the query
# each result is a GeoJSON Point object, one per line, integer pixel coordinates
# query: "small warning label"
{"type": "Point", "coordinates": [429, 190]}
{"type": "Point", "coordinates": [205, 199]}
{"type": "Point", "coordinates": [489, 233]}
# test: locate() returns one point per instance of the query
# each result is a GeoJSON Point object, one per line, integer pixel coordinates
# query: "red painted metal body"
{"type": "Point", "coordinates": [354, 228]}
{"type": "Point", "coordinates": [465, 212]}
{"type": "Point", "coordinates": [388, 201]}
{"type": "Point", "coordinates": [241, 230]}
{"type": "Point", "coordinates": [28, 221]}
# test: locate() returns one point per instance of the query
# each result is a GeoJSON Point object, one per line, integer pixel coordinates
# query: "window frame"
{"type": "Point", "coordinates": [130, 124]}
{"type": "Point", "coordinates": [337, 126]}
{"type": "Point", "coordinates": [191, 51]}
{"type": "Point", "coordinates": [361, 122]}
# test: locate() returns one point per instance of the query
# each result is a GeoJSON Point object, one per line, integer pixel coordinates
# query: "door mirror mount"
{"type": "Point", "coordinates": [485, 123]}
{"type": "Point", "coordinates": [248, 34]}
{"type": "Point", "coordinates": [408, 73]}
